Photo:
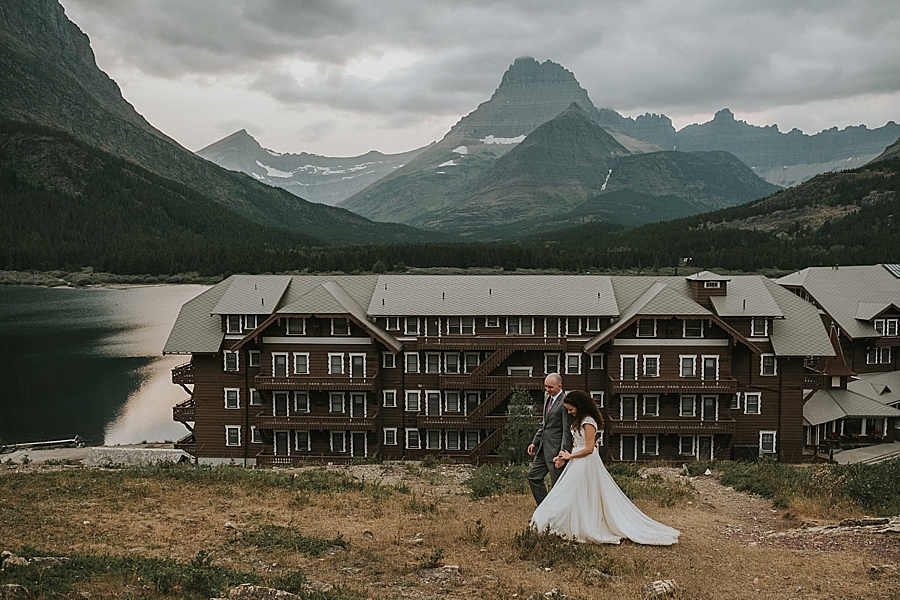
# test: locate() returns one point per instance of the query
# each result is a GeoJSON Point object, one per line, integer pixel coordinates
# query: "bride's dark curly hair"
{"type": "Point", "coordinates": [584, 406]}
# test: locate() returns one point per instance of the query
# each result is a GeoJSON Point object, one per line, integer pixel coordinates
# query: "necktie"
{"type": "Point", "coordinates": [550, 404]}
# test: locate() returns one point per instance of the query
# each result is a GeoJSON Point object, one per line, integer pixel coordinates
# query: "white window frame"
{"type": "Point", "coordinates": [331, 438]}
{"type": "Point", "coordinates": [253, 358]}
{"type": "Point", "coordinates": [758, 396]}
{"type": "Point", "coordinates": [648, 372]}
{"type": "Point", "coordinates": [754, 332]}
{"type": "Point", "coordinates": [332, 396]}
{"type": "Point", "coordinates": [411, 357]}
{"type": "Point", "coordinates": [388, 360]}
{"type": "Point", "coordinates": [573, 330]}
{"type": "Point", "coordinates": [878, 356]}
{"type": "Point", "coordinates": [684, 329]}
{"type": "Point", "coordinates": [622, 445]}
{"type": "Point", "coordinates": [255, 397]}
{"type": "Point", "coordinates": [392, 324]}
{"type": "Point", "coordinates": [681, 399]}
{"type": "Point", "coordinates": [681, 439]}
{"type": "Point", "coordinates": [228, 430]}
{"type": "Point", "coordinates": [468, 365]}
{"type": "Point", "coordinates": [703, 415]}
{"type": "Point", "coordinates": [298, 445]}
{"type": "Point", "coordinates": [452, 444]}
{"type": "Point", "coordinates": [599, 398]}
{"type": "Point", "coordinates": [418, 439]}
{"type": "Point", "coordinates": [762, 365]}
{"type": "Point", "coordinates": [297, 370]}
{"type": "Point", "coordinates": [735, 402]}
{"type": "Point", "coordinates": [622, 358]}
{"type": "Point", "coordinates": [519, 371]}
{"type": "Point", "coordinates": [350, 357]}
{"type": "Point", "coordinates": [448, 407]}
{"type": "Point", "coordinates": [634, 403]}
{"type": "Point", "coordinates": [432, 395]}
{"type": "Point", "coordinates": [464, 326]}
{"type": "Point", "coordinates": [519, 321]}
{"type": "Point", "coordinates": [547, 321]}
{"type": "Point", "coordinates": [433, 435]}
{"type": "Point", "coordinates": [232, 327]}
{"type": "Point", "coordinates": [472, 433]}
{"type": "Point", "coordinates": [681, 371]}
{"type": "Point", "coordinates": [711, 285]}
{"type": "Point", "coordinates": [304, 406]}
{"type": "Point", "coordinates": [365, 405]}
{"type": "Point", "coordinates": [389, 435]}
{"type": "Point", "coordinates": [334, 321]}
{"type": "Point", "coordinates": [226, 354]}
{"type": "Point", "coordinates": [237, 398]}
{"type": "Point", "coordinates": [287, 403]}
{"type": "Point", "coordinates": [548, 358]}
{"type": "Point", "coordinates": [389, 398]}
{"type": "Point", "coordinates": [592, 324]}
{"type": "Point", "coordinates": [600, 437]}
{"type": "Point", "coordinates": [637, 329]}
{"type": "Point", "coordinates": [573, 363]}
{"type": "Point", "coordinates": [598, 361]}
{"type": "Point", "coordinates": [655, 439]}
{"type": "Point", "coordinates": [408, 329]}
{"type": "Point", "coordinates": [492, 321]}
{"type": "Point", "coordinates": [703, 367]}
{"type": "Point", "coordinates": [412, 400]}
{"type": "Point", "coordinates": [251, 322]}
{"type": "Point", "coordinates": [331, 357]}
{"type": "Point", "coordinates": [762, 435]}
{"type": "Point", "coordinates": [430, 365]}
{"type": "Point", "coordinates": [287, 365]}
{"type": "Point", "coordinates": [255, 435]}
{"type": "Point", "coordinates": [449, 367]}
{"type": "Point", "coordinates": [655, 398]}
{"type": "Point", "coordinates": [288, 330]}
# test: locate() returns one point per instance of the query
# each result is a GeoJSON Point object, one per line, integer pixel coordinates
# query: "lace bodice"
{"type": "Point", "coordinates": [578, 441]}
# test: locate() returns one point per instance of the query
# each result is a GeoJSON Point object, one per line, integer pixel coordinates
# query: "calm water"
{"type": "Point", "coordinates": [89, 362]}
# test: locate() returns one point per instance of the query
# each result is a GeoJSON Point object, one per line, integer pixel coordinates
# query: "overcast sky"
{"type": "Point", "coordinates": [341, 77]}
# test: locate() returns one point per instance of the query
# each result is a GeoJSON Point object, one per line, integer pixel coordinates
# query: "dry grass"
{"type": "Point", "coordinates": [377, 542]}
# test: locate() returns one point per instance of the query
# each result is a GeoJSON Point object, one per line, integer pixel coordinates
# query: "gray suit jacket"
{"type": "Point", "coordinates": [554, 434]}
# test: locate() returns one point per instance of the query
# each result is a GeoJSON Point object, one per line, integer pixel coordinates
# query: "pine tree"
{"type": "Point", "coordinates": [520, 427]}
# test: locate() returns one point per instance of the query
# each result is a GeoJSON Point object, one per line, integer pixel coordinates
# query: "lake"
{"type": "Point", "coordinates": [89, 362]}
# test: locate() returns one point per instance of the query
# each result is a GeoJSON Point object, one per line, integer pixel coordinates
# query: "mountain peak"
{"type": "Point", "coordinates": [526, 70]}
{"type": "Point", "coordinates": [724, 115]}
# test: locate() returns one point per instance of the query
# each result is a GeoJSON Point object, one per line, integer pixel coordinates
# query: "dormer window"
{"type": "Point", "coordinates": [593, 324]}
{"type": "Point", "coordinates": [712, 285]}
{"type": "Point", "coordinates": [887, 327]}
{"type": "Point", "coordinates": [340, 326]}
{"type": "Point", "coordinates": [693, 328]}
{"type": "Point", "coordinates": [393, 324]}
{"type": "Point", "coordinates": [233, 324]}
{"type": "Point", "coordinates": [461, 325]}
{"type": "Point", "coordinates": [646, 328]}
{"type": "Point", "coordinates": [295, 326]}
{"type": "Point", "coordinates": [250, 322]}
{"type": "Point", "coordinates": [759, 327]}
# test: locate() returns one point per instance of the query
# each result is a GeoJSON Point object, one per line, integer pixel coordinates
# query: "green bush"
{"type": "Point", "coordinates": [495, 480]}
{"type": "Point", "coordinates": [521, 425]}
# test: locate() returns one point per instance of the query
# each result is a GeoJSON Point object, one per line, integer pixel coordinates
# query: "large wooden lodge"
{"type": "Point", "coordinates": [293, 368]}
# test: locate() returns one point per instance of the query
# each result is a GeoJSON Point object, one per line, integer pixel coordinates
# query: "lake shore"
{"type": "Point", "coordinates": [89, 278]}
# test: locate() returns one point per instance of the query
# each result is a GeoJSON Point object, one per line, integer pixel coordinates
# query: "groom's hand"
{"type": "Point", "coordinates": [531, 450]}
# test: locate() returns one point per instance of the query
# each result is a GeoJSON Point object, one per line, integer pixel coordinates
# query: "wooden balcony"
{"type": "Point", "coordinates": [188, 444]}
{"type": "Point", "coordinates": [683, 426]}
{"type": "Point", "coordinates": [446, 421]}
{"type": "Point", "coordinates": [339, 383]}
{"type": "Point", "coordinates": [816, 381]}
{"type": "Point", "coordinates": [313, 422]}
{"type": "Point", "coordinates": [267, 459]}
{"type": "Point", "coordinates": [471, 342]}
{"type": "Point", "coordinates": [183, 374]}
{"type": "Point", "coordinates": [474, 381]}
{"type": "Point", "coordinates": [681, 385]}
{"type": "Point", "coordinates": [183, 411]}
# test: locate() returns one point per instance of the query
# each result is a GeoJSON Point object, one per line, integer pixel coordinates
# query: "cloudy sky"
{"type": "Point", "coordinates": [341, 77]}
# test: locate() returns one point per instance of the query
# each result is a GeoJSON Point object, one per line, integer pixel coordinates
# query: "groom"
{"type": "Point", "coordinates": [552, 436]}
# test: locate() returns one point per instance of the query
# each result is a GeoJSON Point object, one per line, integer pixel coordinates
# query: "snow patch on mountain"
{"type": "Point", "coordinates": [275, 172]}
{"type": "Point", "coordinates": [449, 163]}
{"type": "Point", "coordinates": [495, 140]}
{"type": "Point", "coordinates": [461, 150]}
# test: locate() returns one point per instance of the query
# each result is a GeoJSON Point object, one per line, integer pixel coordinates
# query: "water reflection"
{"type": "Point", "coordinates": [88, 362]}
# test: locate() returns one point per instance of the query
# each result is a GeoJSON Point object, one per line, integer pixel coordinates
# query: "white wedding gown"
{"type": "Point", "coordinates": [586, 505]}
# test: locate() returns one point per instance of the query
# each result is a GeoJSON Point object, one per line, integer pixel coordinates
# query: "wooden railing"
{"type": "Point", "coordinates": [188, 444]}
{"type": "Point", "coordinates": [311, 382]}
{"type": "Point", "coordinates": [460, 421]}
{"type": "Point", "coordinates": [816, 381]}
{"type": "Point", "coordinates": [462, 343]}
{"type": "Point", "coordinates": [683, 426]}
{"type": "Point", "coordinates": [487, 445]}
{"type": "Point", "coordinates": [312, 422]}
{"type": "Point", "coordinates": [183, 374]}
{"type": "Point", "coordinates": [183, 411]}
{"type": "Point", "coordinates": [680, 385]}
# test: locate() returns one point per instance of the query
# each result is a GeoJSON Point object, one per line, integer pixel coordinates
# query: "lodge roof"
{"type": "Point", "coordinates": [832, 404]}
{"type": "Point", "coordinates": [850, 295]}
{"type": "Point", "coordinates": [883, 387]}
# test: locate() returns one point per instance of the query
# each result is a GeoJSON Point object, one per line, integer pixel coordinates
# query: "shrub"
{"type": "Point", "coordinates": [495, 480]}
{"type": "Point", "coordinates": [520, 428]}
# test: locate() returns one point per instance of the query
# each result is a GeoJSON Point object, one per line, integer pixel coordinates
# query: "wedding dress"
{"type": "Point", "coordinates": [586, 505]}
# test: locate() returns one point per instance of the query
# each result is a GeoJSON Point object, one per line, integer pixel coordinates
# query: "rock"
{"type": "Point", "coordinates": [368, 534]}
{"type": "Point", "coordinates": [318, 586]}
{"type": "Point", "coordinates": [14, 591]}
{"type": "Point", "coordinates": [864, 522]}
{"type": "Point", "coordinates": [8, 559]}
{"type": "Point", "coordinates": [247, 591]}
{"type": "Point", "coordinates": [661, 588]}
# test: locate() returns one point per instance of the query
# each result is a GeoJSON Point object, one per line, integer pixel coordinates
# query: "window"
{"type": "Point", "coordinates": [336, 402]}
{"type": "Point", "coordinates": [335, 363]}
{"type": "Point", "coordinates": [600, 437]}
{"type": "Point", "coordinates": [388, 360]}
{"type": "Point", "coordinates": [735, 403]}
{"type": "Point", "coordinates": [432, 362]}
{"type": "Point", "coordinates": [451, 363]}
{"type": "Point", "coordinates": [711, 285]}
{"type": "Point", "coordinates": [301, 441]}
{"type": "Point", "coordinates": [279, 404]}
{"type": "Point", "coordinates": [357, 365]}
{"type": "Point", "coordinates": [232, 398]}
{"type": "Point", "coordinates": [593, 324]}
{"type": "Point", "coordinates": [412, 362]}
{"type": "Point", "coordinates": [254, 357]}
{"type": "Point", "coordinates": [411, 325]}
{"type": "Point", "coordinates": [710, 368]}
{"type": "Point", "coordinates": [573, 326]}
{"type": "Point", "coordinates": [473, 438]}
{"type": "Point", "coordinates": [433, 403]}
{"type": "Point", "coordinates": [551, 363]}
{"type": "Point", "coordinates": [519, 371]}
{"type": "Point", "coordinates": [519, 325]}
{"type": "Point", "coordinates": [651, 406]}
{"type": "Point", "coordinates": [651, 445]}
{"type": "Point", "coordinates": [338, 441]}
{"type": "Point", "coordinates": [492, 321]}
{"type": "Point", "coordinates": [473, 399]}
{"type": "Point", "coordinates": [233, 324]}
{"type": "Point", "coordinates": [295, 326]}
{"type": "Point", "coordinates": [759, 327]}
{"type": "Point", "coordinates": [876, 356]}
{"type": "Point", "coordinates": [433, 440]}
{"type": "Point", "coordinates": [301, 402]}
{"type": "Point", "coordinates": [340, 326]}
{"type": "Point", "coordinates": [598, 398]}
{"type": "Point", "coordinates": [279, 364]}
{"type": "Point", "coordinates": [646, 328]}
{"type": "Point", "coordinates": [358, 405]}
{"type": "Point", "coordinates": [628, 408]}
{"type": "Point", "coordinates": [471, 361]}
{"type": "Point", "coordinates": [751, 403]}
{"type": "Point", "coordinates": [573, 364]}
{"type": "Point", "coordinates": [597, 361]}
{"type": "Point", "coordinates": [551, 327]}
{"type": "Point", "coordinates": [686, 445]}
{"type": "Point", "coordinates": [301, 363]}
{"type": "Point", "coordinates": [393, 324]}
{"type": "Point", "coordinates": [413, 400]}
{"type": "Point", "coordinates": [389, 398]}
{"type": "Point", "coordinates": [767, 364]}
{"type": "Point", "coordinates": [231, 360]}
{"type": "Point", "coordinates": [255, 435]}
{"type": "Point", "coordinates": [461, 325]}
{"type": "Point", "coordinates": [693, 328]}
{"type": "Point", "coordinates": [651, 365]}
{"type": "Point", "coordinates": [232, 435]}
{"type": "Point", "coordinates": [687, 366]}
{"type": "Point", "coordinates": [628, 447]}
{"type": "Point", "coordinates": [628, 366]}
{"type": "Point", "coordinates": [390, 436]}
{"type": "Point", "coordinates": [412, 439]}
{"type": "Point", "coordinates": [767, 442]}
{"type": "Point", "coordinates": [710, 408]}
{"type": "Point", "coordinates": [451, 401]}
{"type": "Point", "coordinates": [687, 407]}
{"type": "Point", "coordinates": [250, 322]}
{"type": "Point", "coordinates": [255, 397]}
{"type": "Point", "coordinates": [886, 327]}
{"type": "Point", "coordinates": [452, 440]}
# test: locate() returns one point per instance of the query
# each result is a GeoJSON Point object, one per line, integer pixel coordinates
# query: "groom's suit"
{"type": "Point", "coordinates": [552, 436]}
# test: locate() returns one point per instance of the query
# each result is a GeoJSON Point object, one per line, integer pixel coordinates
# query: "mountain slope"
{"type": "Point", "coordinates": [48, 76]}
{"type": "Point", "coordinates": [321, 179]}
{"type": "Point", "coordinates": [892, 151]}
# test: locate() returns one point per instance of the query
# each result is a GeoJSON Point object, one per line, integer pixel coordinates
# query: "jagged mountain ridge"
{"type": "Point", "coordinates": [321, 179]}
{"type": "Point", "coordinates": [892, 151]}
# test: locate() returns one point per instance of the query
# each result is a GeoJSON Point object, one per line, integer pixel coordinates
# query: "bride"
{"type": "Point", "coordinates": [586, 504]}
